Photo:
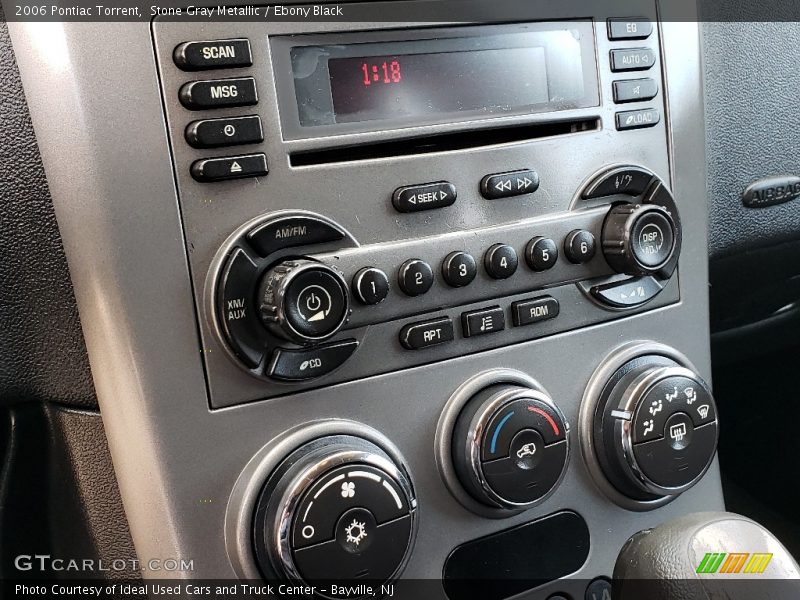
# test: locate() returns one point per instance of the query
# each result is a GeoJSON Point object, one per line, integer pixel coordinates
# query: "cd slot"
{"type": "Point", "coordinates": [444, 142]}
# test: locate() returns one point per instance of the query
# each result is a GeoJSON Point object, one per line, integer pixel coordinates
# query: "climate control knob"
{"type": "Point", "coordinates": [337, 509]}
{"type": "Point", "coordinates": [638, 239]}
{"type": "Point", "coordinates": [303, 301]}
{"type": "Point", "coordinates": [510, 446]}
{"type": "Point", "coordinates": [655, 428]}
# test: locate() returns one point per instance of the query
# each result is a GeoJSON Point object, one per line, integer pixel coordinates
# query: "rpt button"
{"type": "Point", "coordinates": [427, 333]}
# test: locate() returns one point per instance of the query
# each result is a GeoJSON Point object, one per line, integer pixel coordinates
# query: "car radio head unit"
{"type": "Point", "coordinates": [437, 75]}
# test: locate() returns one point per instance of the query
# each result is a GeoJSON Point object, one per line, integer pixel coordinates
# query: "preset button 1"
{"type": "Point", "coordinates": [370, 285]}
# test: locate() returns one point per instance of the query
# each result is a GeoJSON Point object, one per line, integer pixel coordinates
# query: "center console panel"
{"type": "Point", "coordinates": [390, 332]}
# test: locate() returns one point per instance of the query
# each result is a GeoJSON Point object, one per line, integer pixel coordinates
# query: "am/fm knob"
{"type": "Point", "coordinates": [303, 301]}
{"type": "Point", "coordinates": [638, 239]}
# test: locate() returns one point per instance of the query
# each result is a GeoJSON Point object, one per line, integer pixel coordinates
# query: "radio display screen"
{"type": "Point", "coordinates": [434, 79]}
{"type": "Point", "coordinates": [383, 87]}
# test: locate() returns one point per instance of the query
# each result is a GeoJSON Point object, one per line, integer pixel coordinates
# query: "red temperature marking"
{"type": "Point", "coordinates": [550, 420]}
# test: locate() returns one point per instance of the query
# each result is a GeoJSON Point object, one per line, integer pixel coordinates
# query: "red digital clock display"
{"type": "Point", "coordinates": [385, 72]}
{"type": "Point", "coordinates": [411, 85]}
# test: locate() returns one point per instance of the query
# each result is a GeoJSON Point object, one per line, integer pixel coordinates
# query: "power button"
{"type": "Point", "coordinates": [303, 301]}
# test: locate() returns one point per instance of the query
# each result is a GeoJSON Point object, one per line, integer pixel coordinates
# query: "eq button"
{"type": "Point", "coordinates": [479, 322]}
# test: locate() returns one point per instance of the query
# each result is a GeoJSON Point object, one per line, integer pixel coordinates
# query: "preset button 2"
{"type": "Point", "coordinates": [415, 277]}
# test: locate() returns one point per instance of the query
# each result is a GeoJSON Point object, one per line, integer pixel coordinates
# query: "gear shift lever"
{"type": "Point", "coordinates": [706, 556]}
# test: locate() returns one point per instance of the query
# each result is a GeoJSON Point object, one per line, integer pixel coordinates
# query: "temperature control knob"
{"type": "Point", "coordinates": [336, 510]}
{"type": "Point", "coordinates": [510, 446]}
{"type": "Point", "coordinates": [303, 301]}
{"type": "Point", "coordinates": [638, 239]}
{"type": "Point", "coordinates": [655, 428]}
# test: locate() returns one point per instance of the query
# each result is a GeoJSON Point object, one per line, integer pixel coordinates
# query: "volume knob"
{"type": "Point", "coordinates": [638, 239]}
{"type": "Point", "coordinates": [303, 301]}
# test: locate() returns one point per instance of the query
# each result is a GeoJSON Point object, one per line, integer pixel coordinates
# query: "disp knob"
{"type": "Point", "coordinates": [337, 509]}
{"type": "Point", "coordinates": [303, 301]}
{"type": "Point", "coordinates": [638, 239]}
{"type": "Point", "coordinates": [510, 446]}
{"type": "Point", "coordinates": [655, 428]}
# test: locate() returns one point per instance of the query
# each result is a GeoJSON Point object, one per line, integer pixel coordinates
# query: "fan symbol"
{"type": "Point", "coordinates": [348, 489]}
{"type": "Point", "coordinates": [356, 532]}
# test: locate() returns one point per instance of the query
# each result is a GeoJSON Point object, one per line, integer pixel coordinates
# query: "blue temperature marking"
{"type": "Point", "coordinates": [497, 430]}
